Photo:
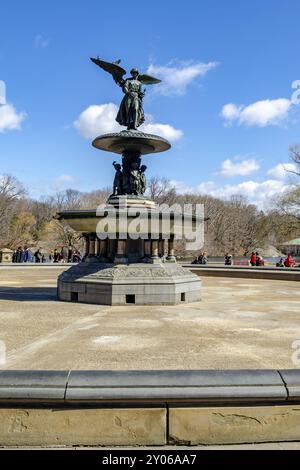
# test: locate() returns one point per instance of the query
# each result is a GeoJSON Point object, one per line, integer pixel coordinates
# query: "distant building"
{"type": "Point", "coordinates": [292, 246]}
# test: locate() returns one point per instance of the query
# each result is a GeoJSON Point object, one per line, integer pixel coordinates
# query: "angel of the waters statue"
{"type": "Point", "coordinates": [131, 112]}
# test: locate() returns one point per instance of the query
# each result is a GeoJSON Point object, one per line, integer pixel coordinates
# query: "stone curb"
{"type": "Point", "coordinates": [191, 387]}
{"type": "Point", "coordinates": [36, 265]}
{"type": "Point", "coordinates": [146, 408]}
{"type": "Point", "coordinates": [287, 274]}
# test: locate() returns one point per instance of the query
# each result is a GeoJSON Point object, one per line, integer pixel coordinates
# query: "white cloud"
{"type": "Point", "coordinates": [2, 92]}
{"type": "Point", "coordinates": [281, 171]}
{"type": "Point", "coordinates": [101, 119]}
{"type": "Point", "coordinates": [181, 187]}
{"type": "Point", "coordinates": [175, 79]}
{"type": "Point", "coordinates": [41, 42]}
{"type": "Point", "coordinates": [10, 119]}
{"type": "Point", "coordinates": [96, 120]}
{"type": "Point", "coordinates": [231, 111]}
{"type": "Point", "coordinates": [259, 193]}
{"type": "Point", "coordinates": [238, 167]}
{"type": "Point", "coordinates": [261, 113]}
{"type": "Point", "coordinates": [63, 182]}
{"type": "Point", "coordinates": [164, 130]}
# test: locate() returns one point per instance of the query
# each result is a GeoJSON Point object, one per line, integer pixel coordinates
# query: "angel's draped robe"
{"type": "Point", "coordinates": [131, 113]}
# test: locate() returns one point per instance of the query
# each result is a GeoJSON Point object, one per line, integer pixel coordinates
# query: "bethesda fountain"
{"type": "Point", "coordinates": [129, 242]}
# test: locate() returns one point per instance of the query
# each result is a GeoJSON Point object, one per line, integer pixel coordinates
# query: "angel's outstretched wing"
{"type": "Point", "coordinates": [148, 80]}
{"type": "Point", "coordinates": [115, 70]}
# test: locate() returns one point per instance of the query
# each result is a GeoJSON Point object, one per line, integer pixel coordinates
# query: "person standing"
{"type": "Point", "coordinates": [38, 256]}
{"type": "Point", "coordinates": [55, 256]}
{"type": "Point", "coordinates": [19, 255]}
{"type": "Point", "coordinates": [61, 256]}
{"type": "Point", "coordinates": [26, 254]}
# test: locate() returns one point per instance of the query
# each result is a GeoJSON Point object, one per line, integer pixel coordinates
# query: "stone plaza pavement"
{"type": "Point", "coordinates": [239, 323]}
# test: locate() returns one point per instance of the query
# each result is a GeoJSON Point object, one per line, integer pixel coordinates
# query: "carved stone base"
{"type": "Point", "coordinates": [130, 200]}
{"type": "Point", "coordinates": [140, 284]}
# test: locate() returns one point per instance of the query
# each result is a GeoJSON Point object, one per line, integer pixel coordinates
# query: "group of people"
{"type": "Point", "coordinates": [65, 256]}
{"type": "Point", "coordinates": [287, 263]}
{"type": "Point", "coordinates": [256, 259]}
{"type": "Point", "coordinates": [25, 255]}
{"type": "Point", "coordinates": [201, 259]}
{"type": "Point", "coordinates": [22, 255]}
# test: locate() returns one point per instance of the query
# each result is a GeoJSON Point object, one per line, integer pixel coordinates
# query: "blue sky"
{"type": "Point", "coordinates": [225, 102]}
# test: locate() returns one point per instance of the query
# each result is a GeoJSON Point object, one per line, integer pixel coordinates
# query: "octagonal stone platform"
{"type": "Point", "coordinates": [140, 284]}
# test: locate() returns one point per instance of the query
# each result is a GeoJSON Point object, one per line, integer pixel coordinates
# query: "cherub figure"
{"type": "Point", "coordinates": [143, 182]}
{"type": "Point", "coordinates": [118, 180]}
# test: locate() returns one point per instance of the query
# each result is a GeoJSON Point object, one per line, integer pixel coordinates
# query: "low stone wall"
{"type": "Point", "coordinates": [272, 273]}
{"type": "Point", "coordinates": [280, 274]}
{"type": "Point", "coordinates": [134, 408]}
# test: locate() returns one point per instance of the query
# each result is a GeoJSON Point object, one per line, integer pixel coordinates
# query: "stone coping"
{"type": "Point", "coordinates": [235, 271]}
{"type": "Point", "coordinates": [271, 273]}
{"type": "Point", "coordinates": [150, 387]}
{"type": "Point", "coordinates": [36, 265]}
{"type": "Point", "coordinates": [238, 268]}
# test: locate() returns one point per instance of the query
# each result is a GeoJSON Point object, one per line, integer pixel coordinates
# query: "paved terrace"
{"type": "Point", "coordinates": [240, 323]}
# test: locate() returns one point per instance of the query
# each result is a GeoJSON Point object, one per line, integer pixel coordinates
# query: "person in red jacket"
{"type": "Point", "coordinates": [289, 262]}
{"type": "Point", "coordinates": [253, 259]}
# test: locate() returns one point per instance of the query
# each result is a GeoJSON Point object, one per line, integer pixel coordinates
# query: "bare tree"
{"type": "Point", "coordinates": [65, 200]}
{"type": "Point", "coordinates": [294, 152]}
{"type": "Point", "coordinates": [11, 191]}
{"type": "Point", "coordinates": [93, 199]}
{"type": "Point", "coordinates": [161, 191]}
{"type": "Point", "coordinates": [289, 203]}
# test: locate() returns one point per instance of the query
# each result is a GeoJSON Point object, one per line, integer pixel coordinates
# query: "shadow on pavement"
{"type": "Point", "coordinates": [28, 293]}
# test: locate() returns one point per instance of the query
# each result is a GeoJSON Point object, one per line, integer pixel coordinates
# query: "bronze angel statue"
{"type": "Point", "coordinates": [131, 112]}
